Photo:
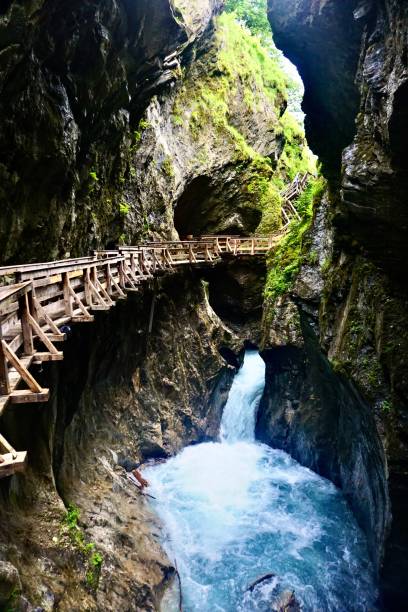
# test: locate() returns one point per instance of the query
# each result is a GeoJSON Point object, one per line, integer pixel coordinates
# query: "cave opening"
{"type": "Point", "coordinates": [214, 205]}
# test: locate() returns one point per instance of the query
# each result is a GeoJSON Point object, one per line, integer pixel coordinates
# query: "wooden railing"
{"type": "Point", "coordinates": [289, 195]}
{"type": "Point", "coordinates": [37, 300]}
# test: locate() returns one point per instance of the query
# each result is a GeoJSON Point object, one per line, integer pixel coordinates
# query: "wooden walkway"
{"type": "Point", "coordinates": [37, 300]}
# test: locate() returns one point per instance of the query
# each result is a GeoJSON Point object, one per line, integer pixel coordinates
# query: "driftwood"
{"type": "Point", "coordinates": [120, 479]}
{"type": "Point", "coordinates": [259, 581]}
{"type": "Point", "coordinates": [131, 478]}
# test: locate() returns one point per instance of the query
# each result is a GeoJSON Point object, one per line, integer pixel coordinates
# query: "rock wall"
{"type": "Point", "coordinates": [119, 388]}
{"type": "Point", "coordinates": [352, 297]}
{"type": "Point", "coordinates": [74, 81]}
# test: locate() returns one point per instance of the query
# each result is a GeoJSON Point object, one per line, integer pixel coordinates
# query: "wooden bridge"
{"type": "Point", "coordinates": [37, 300]}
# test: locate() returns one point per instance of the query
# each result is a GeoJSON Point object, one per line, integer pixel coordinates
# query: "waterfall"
{"type": "Point", "coordinates": [238, 419]}
{"type": "Point", "coordinates": [236, 510]}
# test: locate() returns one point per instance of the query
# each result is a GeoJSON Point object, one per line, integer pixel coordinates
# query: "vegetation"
{"type": "Point", "coordinates": [284, 263]}
{"type": "Point", "coordinates": [167, 167]}
{"type": "Point", "coordinates": [93, 176]}
{"type": "Point", "coordinates": [253, 13]}
{"type": "Point", "coordinates": [124, 209]}
{"type": "Point", "coordinates": [93, 558]}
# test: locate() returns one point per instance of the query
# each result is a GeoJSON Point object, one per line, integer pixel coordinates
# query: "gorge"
{"type": "Point", "coordinates": [128, 123]}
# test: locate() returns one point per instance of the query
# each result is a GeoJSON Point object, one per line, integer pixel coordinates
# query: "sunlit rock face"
{"type": "Point", "coordinates": [352, 56]}
{"type": "Point", "coordinates": [74, 81]}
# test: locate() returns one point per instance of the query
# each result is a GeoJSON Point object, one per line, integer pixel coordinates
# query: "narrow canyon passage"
{"type": "Point", "coordinates": [236, 510]}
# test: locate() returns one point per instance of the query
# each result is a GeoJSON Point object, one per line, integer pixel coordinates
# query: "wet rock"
{"type": "Point", "coordinates": [359, 49]}
{"type": "Point", "coordinates": [74, 82]}
{"type": "Point", "coordinates": [10, 583]}
{"type": "Point", "coordinates": [286, 602]}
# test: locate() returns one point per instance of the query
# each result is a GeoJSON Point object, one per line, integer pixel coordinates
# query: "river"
{"type": "Point", "coordinates": [236, 510]}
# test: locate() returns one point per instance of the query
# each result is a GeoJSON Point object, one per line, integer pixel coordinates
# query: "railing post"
{"type": "Point", "coordinates": [253, 246]}
{"type": "Point", "coordinates": [24, 312]}
{"type": "Point", "coordinates": [87, 287]}
{"type": "Point", "coordinates": [4, 377]}
{"type": "Point", "coordinates": [67, 295]}
{"type": "Point", "coordinates": [108, 279]}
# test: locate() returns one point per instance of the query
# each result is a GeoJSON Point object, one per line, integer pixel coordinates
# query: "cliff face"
{"type": "Point", "coordinates": [351, 296]}
{"type": "Point", "coordinates": [119, 114]}
{"type": "Point", "coordinates": [74, 82]}
{"type": "Point", "coordinates": [205, 153]}
{"type": "Point", "coordinates": [120, 388]}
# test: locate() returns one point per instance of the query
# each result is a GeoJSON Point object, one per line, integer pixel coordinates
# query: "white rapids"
{"type": "Point", "coordinates": [236, 510]}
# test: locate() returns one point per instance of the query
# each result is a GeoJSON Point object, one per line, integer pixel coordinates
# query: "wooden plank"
{"type": "Point", "coordinates": [40, 357]}
{"type": "Point", "coordinates": [82, 319]}
{"type": "Point", "coordinates": [11, 294]}
{"type": "Point", "coordinates": [12, 464]}
{"type": "Point", "coordinates": [24, 396]}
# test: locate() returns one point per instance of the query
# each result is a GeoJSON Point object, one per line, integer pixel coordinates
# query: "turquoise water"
{"type": "Point", "coordinates": [236, 510]}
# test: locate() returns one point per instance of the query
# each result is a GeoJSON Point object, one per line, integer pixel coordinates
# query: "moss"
{"type": "Point", "coordinates": [124, 209]}
{"type": "Point", "coordinates": [93, 176]}
{"type": "Point", "coordinates": [176, 119]}
{"type": "Point", "coordinates": [93, 558]}
{"type": "Point", "coordinates": [167, 167]}
{"type": "Point", "coordinates": [296, 156]}
{"type": "Point", "coordinates": [285, 261]}
{"type": "Point", "coordinates": [240, 65]}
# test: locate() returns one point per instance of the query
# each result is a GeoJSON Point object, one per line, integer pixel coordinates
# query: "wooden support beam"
{"type": "Point", "coordinates": [57, 335]}
{"type": "Point", "coordinates": [99, 291]}
{"type": "Point", "coordinates": [42, 336]}
{"type": "Point", "coordinates": [105, 294]}
{"type": "Point", "coordinates": [117, 287]}
{"type": "Point", "coordinates": [108, 279]}
{"type": "Point", "coordinates": [7, 446]}
{"type": "Point", "coordinates": [25, 315]}
{"type": "Point", "coordinates": [77, 300]}
{"type": "Point", "coordinates": [21, 369]}
{"type": "Point", "coordinates": [40, 357]}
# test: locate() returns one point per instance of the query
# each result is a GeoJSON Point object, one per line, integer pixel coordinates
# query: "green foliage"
{"type": "Point", "coordinates": [296, 156]}
{"type": "Point", "coordinates": [176, 119]}
{"type": "Point", "coordinates": [94, 558]}
{"type": "Point", "coordinates": [386, 407]}
{"type": "Point", "coordinates": [285, 261]}
{"type": "Point", "coordinates": [167, 167]}
{"type": "Point", "coordinates": [242, 67]}
{"type": "Point", "coordinates": [137, 134]}
{"type": "Point", "coordinates": [93, 176]}
{"type": "Point", "coordinates": [124, 209]}
{"type": "Point", "coordinates": [253, 13]}
{"type": "Point", "coordinates": [144, 125]}
{"type": "Point", "coordinates": [94, 571]}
